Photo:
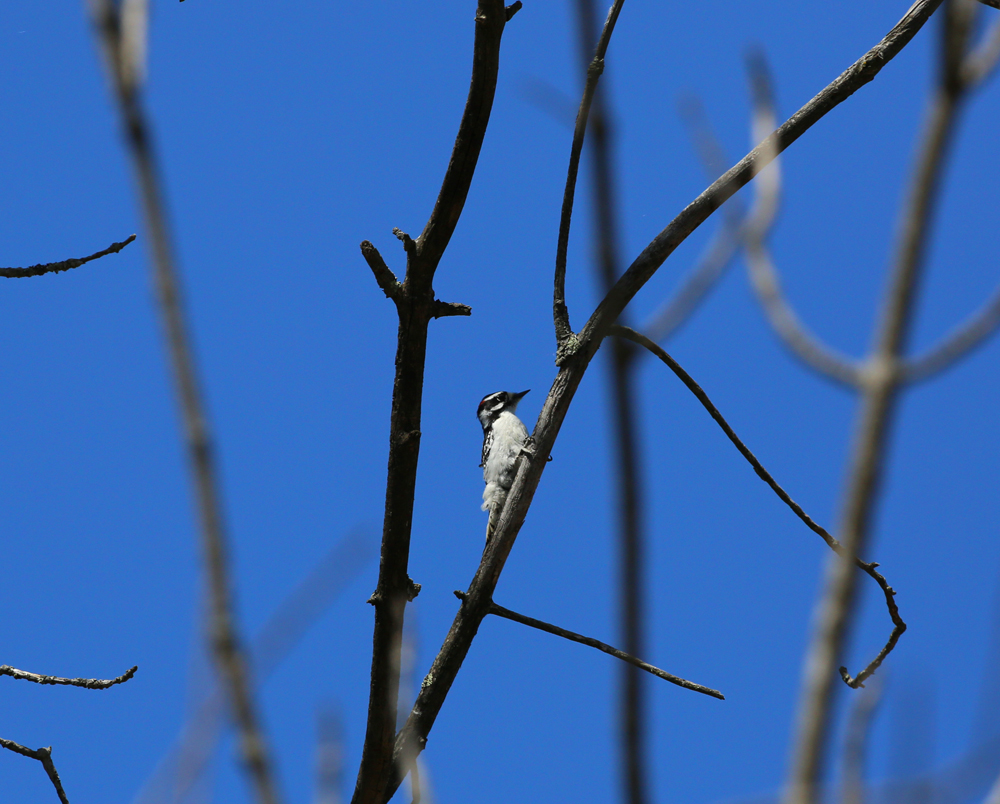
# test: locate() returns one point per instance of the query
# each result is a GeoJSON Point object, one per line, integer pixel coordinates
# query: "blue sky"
{"type": "Point", "coordinates": [288, 135]}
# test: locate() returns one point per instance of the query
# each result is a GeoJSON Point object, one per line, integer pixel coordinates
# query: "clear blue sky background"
{"type": "Point", "coordinates": [291, 132]}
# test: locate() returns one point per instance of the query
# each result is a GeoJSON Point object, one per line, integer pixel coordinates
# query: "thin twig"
{"type": "Point", "coordinates": [590, 642]}
{"type": "Point", "coordinates": [86, 683]}
{"type": "Point", "coordinates": [416, 306]}
{"type": "Point", "coordinates": [64, 265]}
{"type": "Point", "coordinates": [880, 383]}
{"type": "Point", "coordinates": [43, 755]}
{"type": "Point", "coordinates": [222, 629]}
{"type": "Point", "coordinates": [448, 662]}
{"type": "Point", "coordinates": [560, 314]}
{"type": "Point", "coordinates": [869, 567]}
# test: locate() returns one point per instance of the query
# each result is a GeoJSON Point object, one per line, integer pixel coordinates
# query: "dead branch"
{"type": "Point", "coordinates": [43, 755]}
{"type": "Point", "coordinates": [86, 683]}
{"type": "Point", "coordinates": [64, 265]}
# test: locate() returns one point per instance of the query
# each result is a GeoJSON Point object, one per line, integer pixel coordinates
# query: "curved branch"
{"type": "Point", "coordinates": [982, 60]}
{"type": "Point", "coordinates": [898, 626]}
{"type": "Point", "coordinates": [564, 332]}
{"type": "Point", "coordinates": [763, 276]}
{"type": "Point", "coordinates": [962, 340]}
{"type": "Point", "coordinates": [86, 683]}
{"type": "Point", "coordinates": [64, 265]}
{"type": "Point", "coordinates": [43, 755]}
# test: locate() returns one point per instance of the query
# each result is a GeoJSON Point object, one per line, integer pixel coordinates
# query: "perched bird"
{"type": "Point", "coordinates": [504, 439]}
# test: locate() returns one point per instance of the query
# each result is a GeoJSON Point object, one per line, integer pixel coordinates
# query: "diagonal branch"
{"type": "Point", "coordinates": [416, 306]}
{"type": "Point", "coordinates": [43, 755]}
{"type": "Point", "coordinates": [590, 642]}
{"type": "Point", "coordinates": [64, 265]}
{"type": "Point", "coordinates": [434, 690]}
{"type": "Point", "coordinates": [223, 634]}
{"type": "Point", "coordinates": [86, 683]}
{"type": "Point", "coordinates": [560, 314]}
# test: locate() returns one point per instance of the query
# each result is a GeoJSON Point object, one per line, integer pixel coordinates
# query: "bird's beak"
{"type": "Point", "coordinates": [517, 397]}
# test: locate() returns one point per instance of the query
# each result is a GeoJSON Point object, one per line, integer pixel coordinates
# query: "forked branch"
{"type": "Point", "coordinates": [43, 755]}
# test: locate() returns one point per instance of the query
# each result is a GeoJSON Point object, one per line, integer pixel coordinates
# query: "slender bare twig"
{"type": "Point", "coordinates": [590, 642]}
{"type": "Point", "coordinates": [449, 659]}
{"type": "Point", "coordinates": [564, 332]}
{"type": "Point", "coordinates": [416, 306]}
{"type": "Point", "coordinates": [631, 537]}
{"type": "Point", "coordinates": [856, 743]}
{"type": "Point", "coordinates": [43, 755]}
{"type": "Point", "coordinates": [880, 382]}
{"type": "Point", "coordinates": [224, 638]}
{"type": "Point", "coordinates": [870, 568]}
{"type": "Point", "coordinates": [86, 683]}
{"type": "Point", "coordinates": [64, 265]}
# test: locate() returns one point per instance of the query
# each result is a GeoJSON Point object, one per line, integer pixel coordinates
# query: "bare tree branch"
{"type": "Point", "coordinates": [590, 642]}
{"type": "Point", "coordinates": [64, 265]}
{"type": "Point", "coordinates": [564, 332]}
{"type": "Point", "coordinates": [449, 659]}
{"type": "Point", "coordinates": [43, 755]}
{"type": "Point", "coordinates": [416, 306]}
{"type": "Point", "coordinates": [870, 568]}
{"type": "Point", "coordinates": [119, 54]}
{"type": "Point", "coordinates": [880, 382]}
{"type": "Point", "coordinates": [982, 60]}
{"type": "Point", "coordinates": [763, 276]}
{"type": "Point", "coordinates": [86, 683]}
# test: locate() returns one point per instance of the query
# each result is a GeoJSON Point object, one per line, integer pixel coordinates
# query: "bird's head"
{"type": "Point", "coordinates": [495, 404]}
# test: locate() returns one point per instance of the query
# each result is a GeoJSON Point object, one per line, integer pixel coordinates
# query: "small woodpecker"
{"type": "Point", "coordinates": [504, 439]}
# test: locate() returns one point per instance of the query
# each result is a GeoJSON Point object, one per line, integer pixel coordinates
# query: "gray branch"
{"type": "Point", "coordinates": [86, 683]}
{"type": "Point", "coordinates": [43, 755]}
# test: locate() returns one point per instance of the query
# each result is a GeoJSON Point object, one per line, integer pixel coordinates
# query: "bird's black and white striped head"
{"type": "Point", "coordinates": [495, 404]}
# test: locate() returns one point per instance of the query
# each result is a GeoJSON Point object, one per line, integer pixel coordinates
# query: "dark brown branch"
{"type": "Point", "coordinates": [223, 633]}
{"type": "Point", "coordinates": [590, 642]}
{"type": "Point", "coordinates": [383, 275]}
{"type": "Point", "coordinates": [416, 306]}
{"type": "Point", "coordinates": [564, 332]}
{"type": "Point", "coordinates": [870, 568]}
{"type": "Point", "coordinates": [448, 662]}
{"type": "Point", "coordinates": [65, 265]}
{"type": "Point", "coordinates": [86, 683]}
{"type": "Point", "coordinates": [43, 755]}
